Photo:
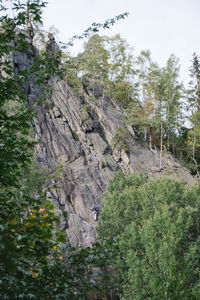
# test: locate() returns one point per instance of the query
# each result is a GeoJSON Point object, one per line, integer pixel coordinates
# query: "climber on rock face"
{"type": "Point", "coordinates": [94, 210]}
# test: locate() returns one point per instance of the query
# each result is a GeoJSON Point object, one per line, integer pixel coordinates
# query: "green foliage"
{"type": "Point", "coordinates": [85, 110]}
{"type": "Point", "coordinates": [29, 243]}
{"type": "Point", "coordinates": [34, 263]}
{"type": "Point", "coordinates": [75, 136]}
{"type": "Point", "coordinates": [105, 64]}
{"type": "Point", "coordinates": [95, 27]}
{"type": "Point", "coordinates": [118, 200]}
{"type": "Point", "coordinates": [151, 226]}
{"type": "Point", "coordinates": [121, 70]}
{"type": "Point", "coordinates": [121, 138]}
{"type": "Point", "coordinates": [152, 96]}
{"type": "Point", "coordinates": [48, 103]}
{"type": "Point", "coordinates": [193, 94]}
{"type": "Point", "coordinates": [71, 72]}
{"type": "Point", "coordinates": [27, 234]}
{"type": "Point", "coordinates": [95, 57]}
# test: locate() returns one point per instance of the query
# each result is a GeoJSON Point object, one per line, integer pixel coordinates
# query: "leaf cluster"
{"type": "Point", "coordinates": [152, 227]}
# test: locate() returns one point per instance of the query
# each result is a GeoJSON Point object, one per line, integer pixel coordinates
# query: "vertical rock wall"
{"type": "Point", "coordinates": [76, 133]}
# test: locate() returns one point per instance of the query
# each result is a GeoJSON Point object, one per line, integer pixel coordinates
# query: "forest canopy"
{"type": "Point", "coordinates": [151, 229]}
{"type": "Point", "coordinates": [162, 111]}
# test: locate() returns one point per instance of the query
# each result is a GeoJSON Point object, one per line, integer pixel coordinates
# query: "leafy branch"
{"type": "Point", "coordinates": [95, 27]}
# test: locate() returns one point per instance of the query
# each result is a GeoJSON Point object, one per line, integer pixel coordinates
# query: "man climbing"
{"type": "Point", "coordinates": [94, 210]}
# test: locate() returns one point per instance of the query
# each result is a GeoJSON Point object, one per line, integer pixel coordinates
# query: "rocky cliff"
{"type": "Point", "coordinates": [76, 133]}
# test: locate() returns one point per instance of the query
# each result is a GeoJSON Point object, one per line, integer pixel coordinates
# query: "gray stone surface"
{"type": "Point", "coordinates": [83, 146]}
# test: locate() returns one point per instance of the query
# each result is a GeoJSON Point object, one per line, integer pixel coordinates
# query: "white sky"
{"type": "Point", "coordinates": [163, 26]}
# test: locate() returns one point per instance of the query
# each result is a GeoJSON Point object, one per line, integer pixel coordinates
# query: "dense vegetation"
{"type": "Point", "coordinates": [162, 111]}
{"type": "Point", "coordinates": [35, 260]}
{"type": "Point", "coordinates": [155, 254]}
{"type": "Point", "coordinates": [151, 228]}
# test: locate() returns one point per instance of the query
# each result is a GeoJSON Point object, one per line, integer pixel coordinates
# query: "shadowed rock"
{"type": "Point", "coordinates": [82, 144]}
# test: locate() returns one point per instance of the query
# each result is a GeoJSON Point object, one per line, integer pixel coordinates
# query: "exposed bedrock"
{"type": "Point", "coordinates": [76, 133]}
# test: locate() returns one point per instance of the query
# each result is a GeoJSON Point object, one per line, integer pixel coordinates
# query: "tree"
{"type": "Point", "coordinates": [142, 111]}
{"type": "Point", "coordinates": [94, 61]}
{"type": "Point", "coordinates": [194, 113]}
{"type": "Point", "coordinates": [34, 263]}
{"type": "Point", "coordinates": [27, 230]}
{"type": "Point", "coordinates": [156, 248]}
{"type": "Point", "coordinates": [159, 98]}
{"type": "Point", "coordinates": [144, 62]}
{"type": "Point", "coordinates": [121, 70]}
{"type": "Point", "coordinates": [172, 96]}
{"type": "Point", "coordinates": [35, 260]}
{"type": "Point", "coordinates": [107, 63]}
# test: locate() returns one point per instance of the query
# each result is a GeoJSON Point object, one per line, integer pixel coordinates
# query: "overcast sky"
{"type": "Point", "coordinates": [163, 26]}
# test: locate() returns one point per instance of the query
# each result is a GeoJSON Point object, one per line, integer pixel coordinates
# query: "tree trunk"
{"type": "Point", "coordinates": [145, 132]}
{"type": "Point", "coordinates": [193, 153]}
{"type": "Point", "coordinates": [168, 140]}
{"type": "Point", "coordinates": [161, 144]}
{"type": "Point", "coordinates": [150, 139]}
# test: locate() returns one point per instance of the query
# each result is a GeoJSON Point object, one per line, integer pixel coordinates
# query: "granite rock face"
{"type": "Point", "coordinates": [76, 133]}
